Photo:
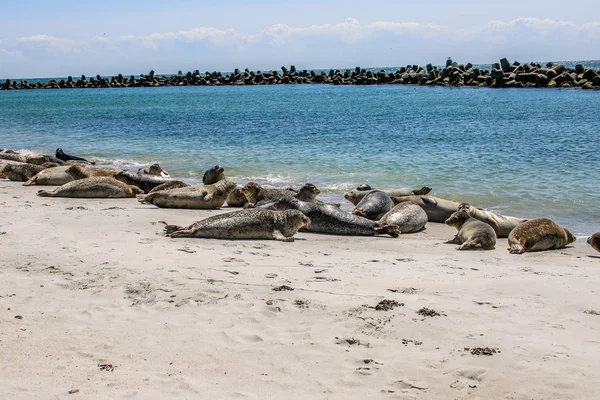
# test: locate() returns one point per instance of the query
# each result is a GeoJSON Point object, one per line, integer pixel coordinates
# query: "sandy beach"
{"type": "Point", "coordinates": [95, 302]}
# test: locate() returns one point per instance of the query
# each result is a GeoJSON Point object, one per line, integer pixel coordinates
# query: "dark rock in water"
{"type": "Point", "coordinates": [506, 67]}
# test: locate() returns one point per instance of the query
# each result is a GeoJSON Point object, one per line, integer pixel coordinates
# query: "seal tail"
{"type": "Point", "coordinates": [392, 230]}
{"type": "Point", "coordinates": [423, 191]}
{"type": "Point", "coordinates": [144, 198]}
{"type": "Point", "coordinates": [45, 193]}
{"type": "Point", "coordinates": [169, 229]}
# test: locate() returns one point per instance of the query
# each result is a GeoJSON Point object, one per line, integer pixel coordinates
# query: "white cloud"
{"type": "Point", "coordinates": [61, 44]}
{"type": "Point", "coordinates": [326, 45]}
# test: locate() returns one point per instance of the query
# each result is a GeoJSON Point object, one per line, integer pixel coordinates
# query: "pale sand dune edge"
{"type": "Point", "coordinates": [97, 284]}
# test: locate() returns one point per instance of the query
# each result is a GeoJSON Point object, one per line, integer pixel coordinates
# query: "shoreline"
{"type": "Point", "coordinates": [108, 306]}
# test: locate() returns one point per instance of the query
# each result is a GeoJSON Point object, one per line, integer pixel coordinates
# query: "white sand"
{"type": "Point", "coordinates": [96, 282]}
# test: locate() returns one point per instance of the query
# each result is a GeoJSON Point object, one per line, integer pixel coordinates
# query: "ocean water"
{"type": "Point", "coordinates": [521, 152]}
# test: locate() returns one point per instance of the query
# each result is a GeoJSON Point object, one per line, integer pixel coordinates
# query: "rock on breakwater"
{"type": "Point", "coordinates": [501, 75]}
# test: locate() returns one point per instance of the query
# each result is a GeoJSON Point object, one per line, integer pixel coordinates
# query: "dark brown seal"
{"type": "Point", "coordinates": [538, 234]}
{"type": "Point", "coordinates": [594, 241]}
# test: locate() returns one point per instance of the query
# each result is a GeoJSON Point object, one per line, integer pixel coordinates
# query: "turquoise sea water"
{"type": "Point", "coordinates": [522, 152]}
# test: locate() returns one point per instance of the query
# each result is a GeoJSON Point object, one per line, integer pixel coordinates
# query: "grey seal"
{"type": "Point", "coordinates": [355, 196]}
{"type": "Point", "coordinates": [82, 171]}
{"type": "Point", "coordinates": [154, 169]}
{"type": "Point", "coordinates": [437, 209]}
{"type": "Point", "coordinates": [213, 175]}
{"type": "Point", "coordinates": [472, 233]}
{"type": "Point", "coordinates": [172, 184]}
{"type": "Point", "coordinates": [408, 216]}
{"type": "Point", "coordinates": [236, 198]}
{"type": "Point", "coordinates": [326, 218]}
{"type": "Point", "coordinates": [501, 224]}
{"type": "Point", "coordinates": [93, 187]}
{"type": "Point", "coordinates": [51, 177]}
{"type": "Point", "coordinates": [20, 172]}
{"type": "Point", "coordinates": [245, 224]}
{"type": "Point", "coordinates": [538, 234]}
{"type": "Point", "coordinates": [195, 196]}
{"type": "Point", "coordinates": [144, 182]}
{"type": "Point", "coordinates": [374, 205]}
{"type": "Point", "coordinates": [594, 241]}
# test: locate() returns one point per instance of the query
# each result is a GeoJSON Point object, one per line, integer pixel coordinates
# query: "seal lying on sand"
{"type": "Point", "coordinates": [538, 234]}
{"type": "Point", "coordinates": [144, 182]}
{"type": "Point", "coordinates": [172, 184]}
{"type": "Point", "coordinates": [236, 198]}
{"type": "Point", "coordinates": [61, 155]}
{"type": "Point", "coordinates": [437, 209]}
{"type": "Point", "coordinates": [355, 196]}
{"type": "Point", "coordinates": [20, 172]}
{"type": "Point", "coordinates": [94, 187]}
{"type": "Point", "coordinates": [255, 193]}
{"type": "Point", "coordinates": [501, 224]}
{"type": "Point", "coordinates": [13, 157]}
{"type": "Point", "coordinates": [155, 169]}
{"type": "Point", "coordinates": [196, 196]}
{"type": "Point", "coordinates": [408, 216]}
{"type": "Point", "coordinates": [374, 205]}
{"type": "Point", "coordinates": [472, 233]}
{"type": "Point", "coordinates": [245, 224]}
{"type": "Point", "coordinates": [82, 171]}
{"type": "Point", "coordinates": [325, 218]}
{"type": "Point", "coordinates": [594, 241]}
{"type": "Point", "coordinates": [51, 177]}
{"type": "Point", "coordinates": [258, 195]}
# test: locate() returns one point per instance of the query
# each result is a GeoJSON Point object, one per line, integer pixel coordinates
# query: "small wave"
{"type": "Point", "coordinates": [121, 163]}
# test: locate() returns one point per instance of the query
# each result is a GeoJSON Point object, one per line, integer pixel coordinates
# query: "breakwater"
{"type": "Point", "coordinates": [501, 75]}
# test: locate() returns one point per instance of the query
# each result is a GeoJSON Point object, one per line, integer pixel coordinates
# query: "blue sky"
{"type": "Point", "coordinates": [60, 38]}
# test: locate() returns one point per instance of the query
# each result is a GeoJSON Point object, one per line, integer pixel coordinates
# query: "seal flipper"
{"type": "Point", "coordinates": [392, 230]}
{"type": "Point", "coordinates": [277, 235]}
{"type": "Point", "coordinates": [45, 193]}
{"type": "Point", "coordinates": [31, 181]}
{"type": "Point", "coordinates": [423, 191]}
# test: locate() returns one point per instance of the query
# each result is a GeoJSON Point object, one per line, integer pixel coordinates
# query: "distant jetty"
{"type": "Point", "coordinates": [501, 75]}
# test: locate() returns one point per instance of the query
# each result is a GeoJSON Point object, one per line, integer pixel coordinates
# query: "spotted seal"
{"type": "Point", "coordinates": [172, 184]}
{"type": "Point", "coordinates": [355, 196]}
{"type": "Point", "coordinates": [236, 198]}
{"type": "Point", "coordinates": [594, 241]}
{"type": "Point", "coordinates": [538, 234]}
{"type": "Point", "coordinates": [13, 157]}
{"type": "Point", "coordinates": [245, 224]}
{"type": "Point", "coordinates": [472, 233]}
{"type": "Point", "coordinates": [195, 196]}
{"type": "Point", "coordinates": [501, 224]}
{"type": "Point", "coordinates": [144, 182]}
{"type": "Point", "coordinates": [374, 205]}
{"type": "Point", "coordinates": [408, 216]}
{"type": "Point", "coordinates": [51, 177]}
{"type": "Point", "coordinates": [93, 187]}
{"type": "Point", "coordinates": [437, 209]}
{"type": "Point", "coordinates": [326, 218]}
{"type": "Point", "coordinates": [83, 171]}
{"type": "Point", "coordinates": [256, 193]}
{"type": "Point", "coordinates": [20, 172]}
{"type": "Point", "coordinates": [155, 169]}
